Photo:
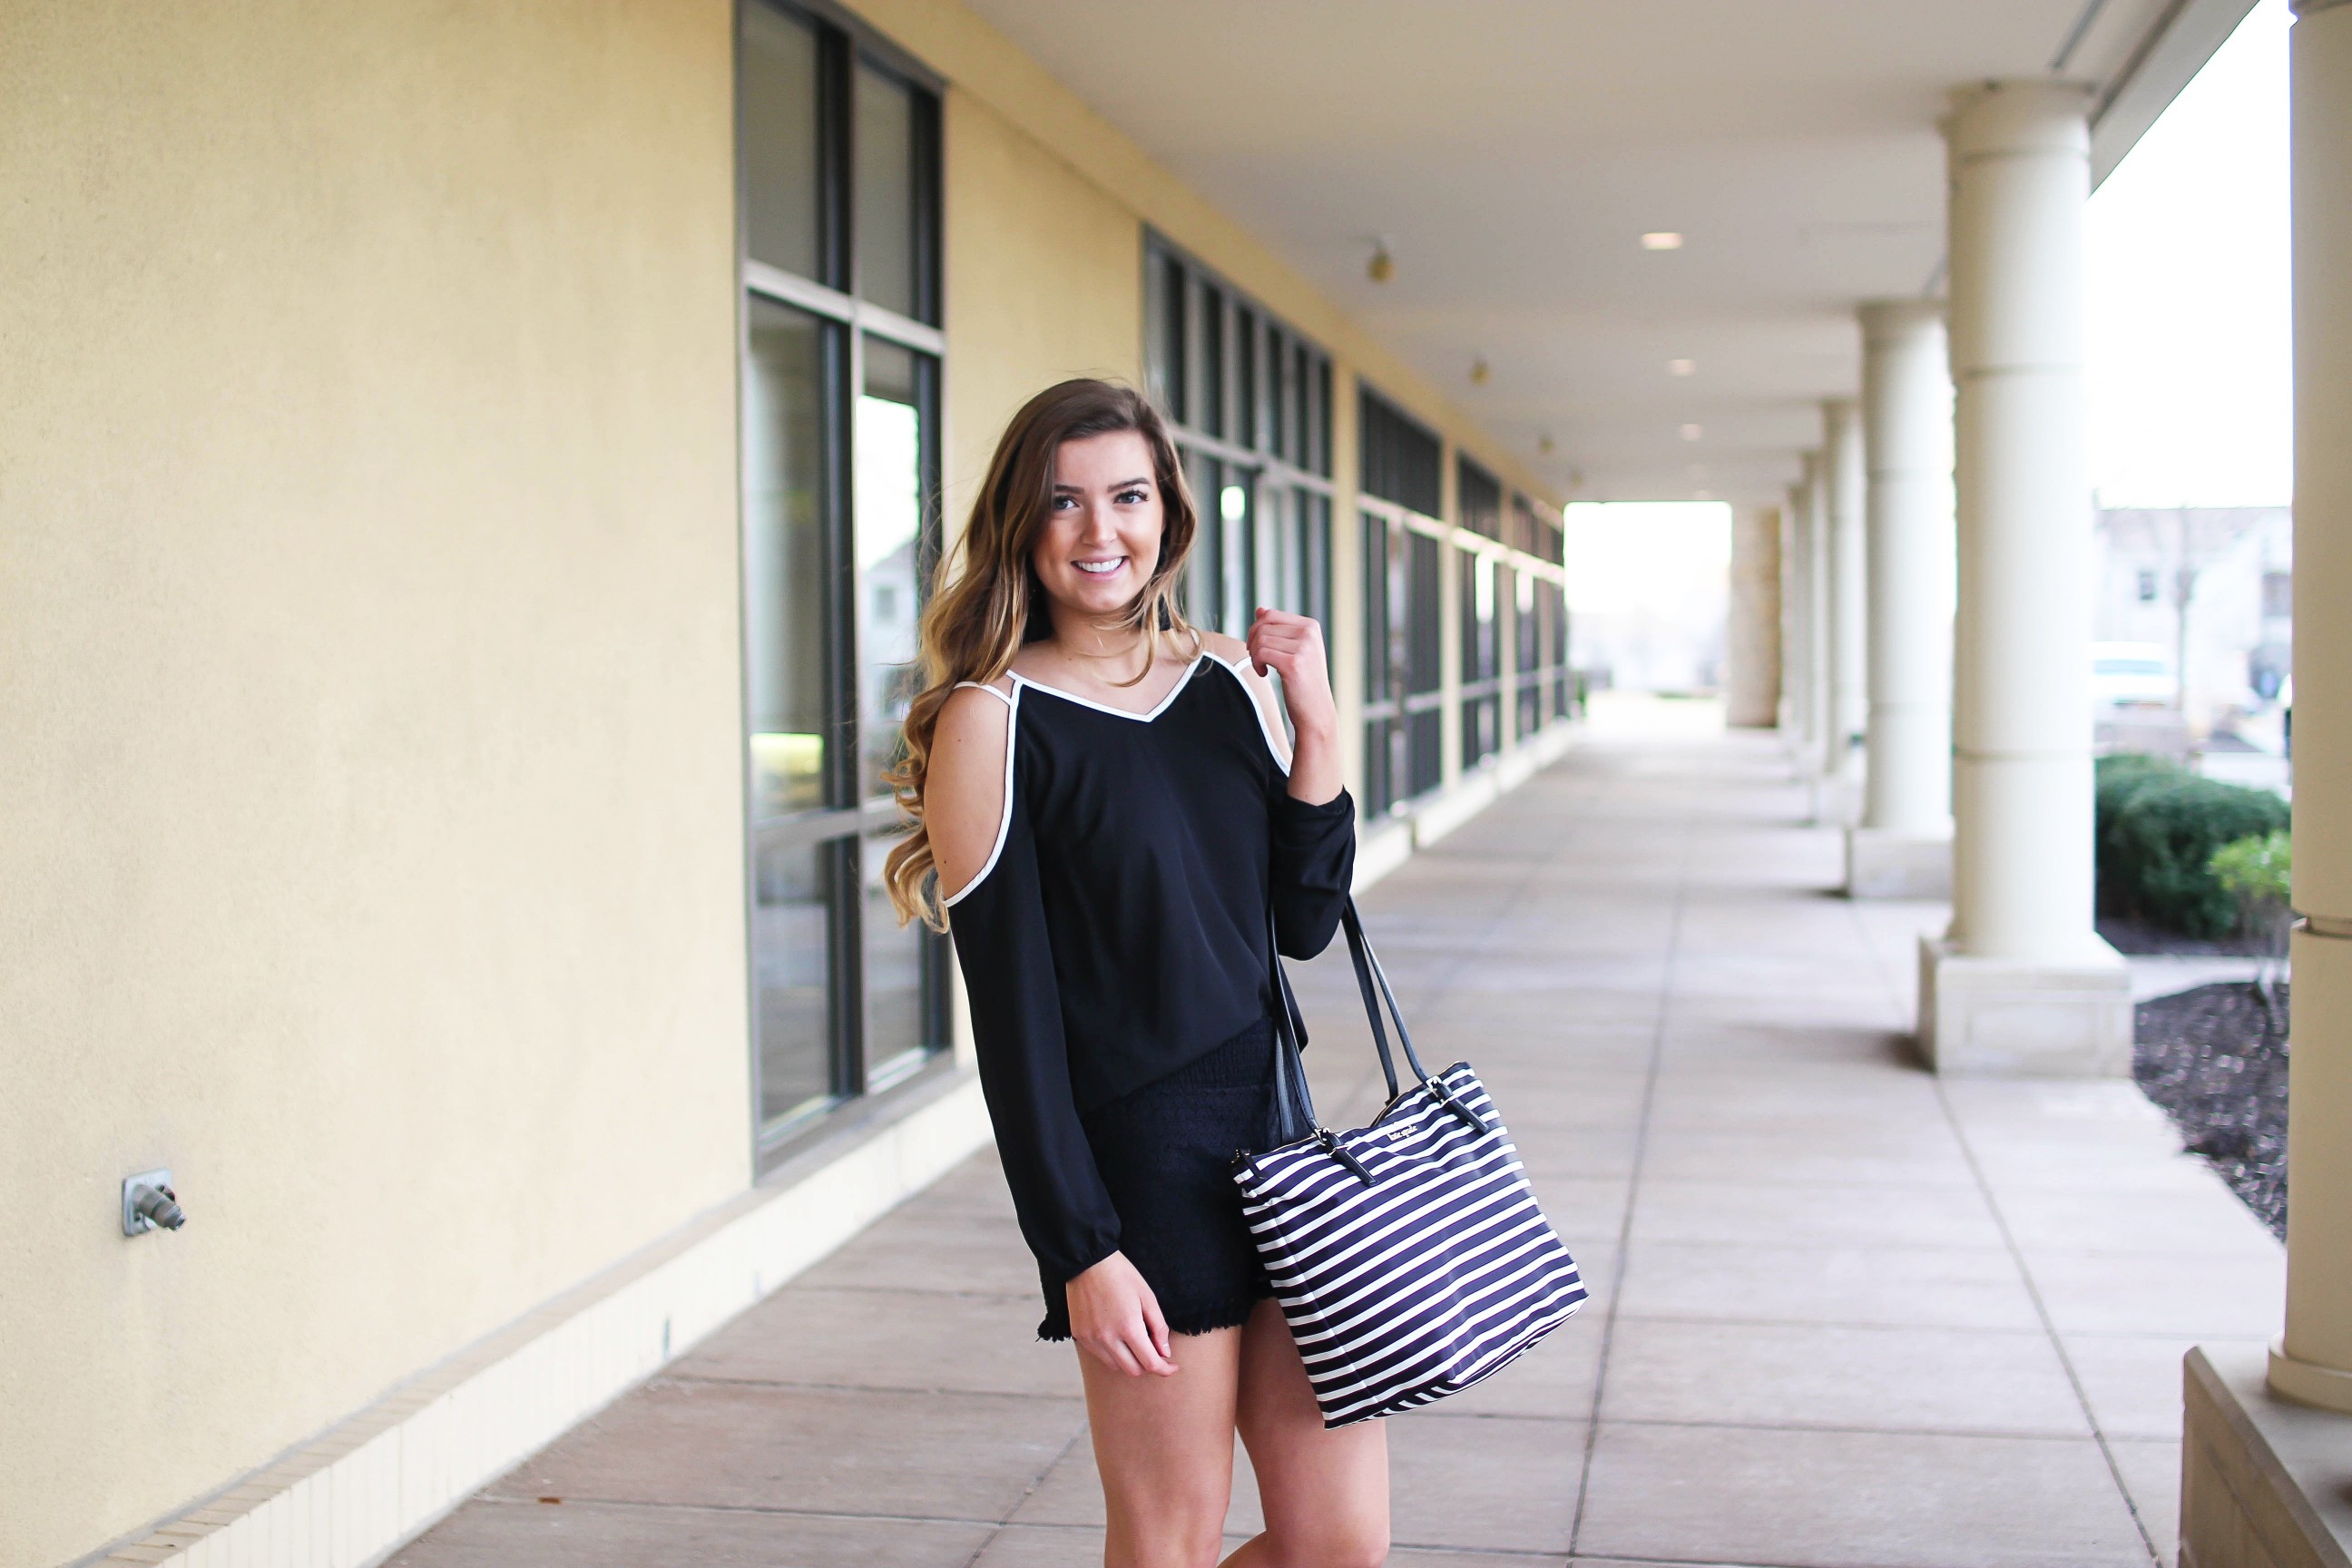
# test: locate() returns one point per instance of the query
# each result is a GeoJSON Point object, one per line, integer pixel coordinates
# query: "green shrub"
{"type": "Point", "coordinates": [2159, 827]}
{"type": "Point", "coordinates": [2256, 867]}
{"type": "Point", "coordinates": [2259, 873]}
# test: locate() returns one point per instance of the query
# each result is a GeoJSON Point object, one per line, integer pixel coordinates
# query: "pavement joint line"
{"type": "Point", "coordinates": [926, 1390]}
{"type": "Point", "coordinates": [1847, 1325]}
{"type": "Point", "coordinates": [2025, 1273]}
{"type": "Point", "coordinates": [755, 1510]}
{"type": "Point", "coordinates": [1037, 1480]}
{"type": "Point", "coordinates": [1852, 1429]}
{"type": "Point", "coordinates": [1634, 1174]}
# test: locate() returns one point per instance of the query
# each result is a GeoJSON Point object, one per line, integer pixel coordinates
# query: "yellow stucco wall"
{"type": "Point", "coordinates": [1044, 280]}
{"type": "Point", "coordinates": [369, 808]}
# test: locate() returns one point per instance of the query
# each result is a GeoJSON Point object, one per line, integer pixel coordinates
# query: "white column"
{"type": "Point", "coordinates": [1753, 641]}
{"type": "Point", "coordinates": [2022, 984]}
{"type": "Point", "coordinates": [1902, 849]}
{"type": "Point", "coordinates": [1847, 664]}
{"type": "Point", "coordinates": [1799, 526]}
{"type": "Point", "coordinates": [1813, 516]}
{"type": "Point", "coordinates": [2312, 1362]}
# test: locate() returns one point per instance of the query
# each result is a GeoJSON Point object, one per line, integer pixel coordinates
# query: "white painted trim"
{"type": "Point", "coordinates": [1004, 811]}
{"type": "Point", "coordinates": [382, 1477]}
{"type": "Point", "coordinates": [1241, 672]}
{"type": "Point", "coordinates": [1182, 681]}
{"type": "Point", "coordinates": [1380, 849]}
{"type": "Point", "coordinates": [1445, 811]}
{"type": "Point", "coordinates": [1383, 846]}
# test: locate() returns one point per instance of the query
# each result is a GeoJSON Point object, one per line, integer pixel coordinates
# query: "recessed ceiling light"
{"type": "Point", "coordinates": [1692, 432]}
{"type": "Point", "coordinates": [1662, 239]}
{"type": "Point", "coordinates": [1682, 368]}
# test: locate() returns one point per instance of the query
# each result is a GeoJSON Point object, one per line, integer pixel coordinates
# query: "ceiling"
{"type": "Point", "coordinates": [1510, 153]}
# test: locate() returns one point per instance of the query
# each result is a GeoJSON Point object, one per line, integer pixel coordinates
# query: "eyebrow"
{"type": "Point", "coordinates": [1122, 485]}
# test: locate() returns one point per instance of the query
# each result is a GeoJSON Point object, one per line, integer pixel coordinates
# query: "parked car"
{"type": "Point", "coordinates": [2133, 675]}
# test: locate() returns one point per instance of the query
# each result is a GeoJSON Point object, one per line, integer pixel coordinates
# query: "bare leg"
{"type": "Point", "coordinates": [1165, 1447]}
{"type": "Point", "coordinates": [1326, 1492]}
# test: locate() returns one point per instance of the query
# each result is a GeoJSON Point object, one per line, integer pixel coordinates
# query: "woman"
{"type": "Point", "coordinates": [1104, 802]}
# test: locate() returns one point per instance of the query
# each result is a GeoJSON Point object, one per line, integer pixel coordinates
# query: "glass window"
{"type": "Point", "coordinates": [1166, 276]}
{"type": "Point", "coordinates": [1247, 398]}
{"type": "Point", "coordinates": [889, 502]}
{"type": "Point", "coordinates": [1385, 616]}
{"type": "Point", "coordinates": [888, 192]}
{"type": "Point", "coordinates": [780, 204]}
{"type": "Point", "coordinates": [1237, 584]}
{"type": "Point", "coordinates": [1209, 396]}
{"type": "Point", "coordinates": [1402, 459]}
{"type": "Point", "coordinates": [889, 505]}
{"type": "Point", "coordinates": [840, 535]}
{"type": "Point", "coordinates": [1204, 594]}
{"type": "Point", "coordinates": [784, 565]}
{"type": "Point", "coordinates": [784, 463]}
{"type": "Point", "coordinates": [1245, 390]}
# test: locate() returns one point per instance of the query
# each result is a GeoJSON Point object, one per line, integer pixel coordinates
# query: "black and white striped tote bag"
{"type": "Point", "coordinates": [1410, 1257]}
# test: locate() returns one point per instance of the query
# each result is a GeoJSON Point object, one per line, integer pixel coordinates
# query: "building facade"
{"type": "Point", "coordinates": [471, 481]}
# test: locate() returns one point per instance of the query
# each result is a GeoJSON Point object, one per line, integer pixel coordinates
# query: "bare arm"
{"type": "Point", "coordinates": [963, 788]}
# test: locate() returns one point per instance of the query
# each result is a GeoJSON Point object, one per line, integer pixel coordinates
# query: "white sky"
{"type": "Point", "coordinates": [2189, 368]}
{"type": "Point", "coordinates": [1670, 557]}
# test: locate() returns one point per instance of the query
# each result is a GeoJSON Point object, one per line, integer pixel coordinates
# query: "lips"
{"type": "Point", "coordinates": [1101, 568]}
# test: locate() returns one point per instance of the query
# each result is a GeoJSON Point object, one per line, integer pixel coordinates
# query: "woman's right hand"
{"type": "Point", "coordinates": [1116, 1318]}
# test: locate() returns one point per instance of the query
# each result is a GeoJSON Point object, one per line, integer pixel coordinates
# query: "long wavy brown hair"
{"type": "Point", "coordinates": [987, 600]}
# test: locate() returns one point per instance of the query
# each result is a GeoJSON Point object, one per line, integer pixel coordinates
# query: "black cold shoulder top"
{"type": "Point", "coordinates": [1118, 932]}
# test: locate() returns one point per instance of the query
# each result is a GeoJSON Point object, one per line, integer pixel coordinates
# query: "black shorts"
{"type": "Point", "coordinates": [1166, 1154]}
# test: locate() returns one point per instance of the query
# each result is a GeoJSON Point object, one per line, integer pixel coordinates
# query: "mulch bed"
{"type": "Point", "coordinates": [2215, 1059]}
{"type": "Point", "coordinates": [2138, 937]}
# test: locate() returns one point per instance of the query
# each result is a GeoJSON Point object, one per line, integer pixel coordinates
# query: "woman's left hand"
{"type": "Point", "coordinates": [1292, 647]}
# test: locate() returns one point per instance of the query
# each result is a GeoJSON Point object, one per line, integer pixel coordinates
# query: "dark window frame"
{"type": "Point", "coordinates": [847, 827]}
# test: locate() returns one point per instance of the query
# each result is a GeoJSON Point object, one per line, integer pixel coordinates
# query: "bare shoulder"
{"type": "Point", "coordinates": [1230, 649]}
{"type": "Point", "coordinates": [964, 782]}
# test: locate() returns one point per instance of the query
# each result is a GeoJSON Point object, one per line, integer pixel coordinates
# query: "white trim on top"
{"type": "Point", "coordinates": [1241, 672]}
{"type": "Point", "coordinates": [1182, 681]}
{"type": "Point", "coordinates": [1004, 813]}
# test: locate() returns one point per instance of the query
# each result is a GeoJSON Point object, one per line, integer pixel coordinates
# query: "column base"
{"type": "Point", "coordinates": [1834, 800]}
{"type": "Point", "coordinates": [1888, 863]}
{"type": "Point", "coordinates": [2016, 1017]}
{"type": "Point", "coordinates": [2261, 1480]}
{"type": "Point", "coordinates": [2308, 1383]}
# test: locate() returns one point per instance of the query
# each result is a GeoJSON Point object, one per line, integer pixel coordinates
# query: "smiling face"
{"type": "Point", "coordinates": [1103, 527]}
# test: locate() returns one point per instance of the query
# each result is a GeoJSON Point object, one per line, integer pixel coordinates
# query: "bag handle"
{"type": "Point", "coordinates": [1292, 1102]}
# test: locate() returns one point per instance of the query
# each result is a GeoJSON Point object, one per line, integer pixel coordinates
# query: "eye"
{"type": "Point", "coordinates": [1134, 496]}
{"type": "Point", "coordinates": [1064, 503]}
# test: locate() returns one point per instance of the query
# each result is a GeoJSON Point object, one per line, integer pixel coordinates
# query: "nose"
{"type": "Point", "coordinates": [1095, 524]}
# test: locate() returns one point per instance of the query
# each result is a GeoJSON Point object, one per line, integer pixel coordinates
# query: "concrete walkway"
{"type": "Point", "coordinates": [1842, 1314]}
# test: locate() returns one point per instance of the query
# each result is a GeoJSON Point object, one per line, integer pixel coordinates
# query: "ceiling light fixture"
{"type": "Point", "coordinates": [1692, 432]}
{"type": "Point", "coordinates": [1662, 239]}
{"type": "Point", "coordinates": [1383, 266]}
{"type": "Point", "coordinates": [1682, 368]}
